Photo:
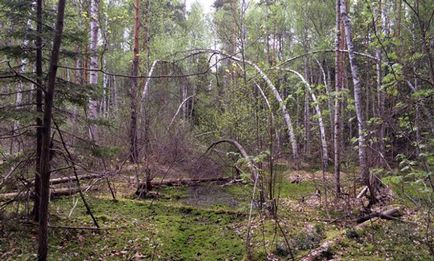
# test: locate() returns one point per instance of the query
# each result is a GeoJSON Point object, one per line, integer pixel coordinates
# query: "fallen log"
{"type": "Point", "coordinates": [390, 214]}
{"type": "Point", "coordinates": [190, 181]}
{"type": "Point", "coordinates": [179, 182]}
{"type": "Point", "coordinates": [323, 252]}
{"type": "Point", "coordinates": [55, 193]}
{"type": "Point", "coordinates": [73, 178]}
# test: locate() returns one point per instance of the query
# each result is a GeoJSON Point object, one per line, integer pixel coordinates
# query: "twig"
{"type": "Point", "coordinates": [75, 173]}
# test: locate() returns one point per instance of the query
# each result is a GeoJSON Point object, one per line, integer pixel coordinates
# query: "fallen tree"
{"type": "Point", "coordinates": [390, 214]}
{"type": "Point", "coordinates": [74, 179]}
{"type": "Point", "coordinates": [55, 193]}
{"type": "Point", "coordinates": [142, 188]}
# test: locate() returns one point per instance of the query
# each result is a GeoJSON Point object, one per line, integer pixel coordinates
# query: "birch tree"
{"type": "Point", "coordinates": [361, 122]}
{"type": "Point", "coordinates": [337, 140]}
{"type": "Point", "coordinates": [93, 66]}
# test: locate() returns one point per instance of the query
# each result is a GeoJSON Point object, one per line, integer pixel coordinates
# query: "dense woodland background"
{"type": "Point", "coordinates": [287, 122]}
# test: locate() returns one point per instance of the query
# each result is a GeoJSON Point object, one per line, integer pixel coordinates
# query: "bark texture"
{"type": "Point", "coordinates": [38, 65]}
{"type": "Point", "coordinates": [337, 128]}
{"type": "Point", "coordinates": [361, 122]}
{"type": "Point", "coordinates": [93, 66]}
{"type": "Point", "coordinates": [46, 135]}
{"type": "Point", "coordinates": [134, 152]}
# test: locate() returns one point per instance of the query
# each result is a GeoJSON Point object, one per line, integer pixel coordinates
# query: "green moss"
{"type": "Point", "coordinates": [160, 229]}
{"type": "Point", "coordinates": [207, 223]}
{"type": "Point", "coordinates": [296, 191]}
{"type": "Point", "coordinates": [396, 241]}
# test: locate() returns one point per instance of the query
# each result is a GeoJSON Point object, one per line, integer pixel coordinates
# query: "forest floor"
{"type": "Point", "coordinates": [209, 222]}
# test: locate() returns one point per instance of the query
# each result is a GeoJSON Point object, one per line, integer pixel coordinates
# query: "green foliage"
{"type": "Point", "coordinates": [413, 181]}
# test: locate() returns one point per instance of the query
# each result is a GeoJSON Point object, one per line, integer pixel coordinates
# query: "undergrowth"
{"type": "Point", "coordinates": [206, 222]}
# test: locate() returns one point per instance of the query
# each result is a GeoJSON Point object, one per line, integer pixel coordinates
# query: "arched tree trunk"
{"type": "Point", "coordinates": [148, 80]}
{"type": "Point", "coordinates": [323, 137]}
{"type": "Point", "coordinates": [282, 105]}
{"type": "Point", "coordinates": [278, 97]}
{"type": "Point", "coordinates": [250, 164]}
{"type": "Point", "coordinates": [180, 107]}
{"type": "Point", "coordinates": [285, 113]}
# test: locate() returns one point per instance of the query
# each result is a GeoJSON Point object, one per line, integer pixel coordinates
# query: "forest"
{"type": "Point", "coordinates": [216, 130]}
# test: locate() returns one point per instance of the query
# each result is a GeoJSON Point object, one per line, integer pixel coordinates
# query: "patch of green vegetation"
{"type": "Point", "coordinates": [410, 192]}
{"type": "Point", "coordinates": [392, 240]}
{"type": "Point", "coordinates": [296, 191]}
{"type": "Point", "coordinates": [149, 229]}
{"type": "Point", "coordinates": [206, 222]}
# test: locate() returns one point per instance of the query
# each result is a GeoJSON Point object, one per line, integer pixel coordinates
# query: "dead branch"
{"type": "Point", "coordinates": [390, 214]}
{"type": "Point", "coordinates": [55, 193]}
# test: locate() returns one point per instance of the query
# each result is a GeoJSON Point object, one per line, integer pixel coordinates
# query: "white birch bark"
{"type": "Point", "coordinates": [278, 97]}
{"type": "Point", "coordinates": [323, 136]}
{"type": "Point", "coordinates": [328, 92]}
{"type": "Point", "coordinates": [20, 87]}
{"type": "Point", "coordinates": [150, 73]}
{"type": "Point", "coordinates": [93, 75]}
{"type": "Point", "coordinates": [361, 123]}
{"type": "Point", "coordinates": [283, 108]}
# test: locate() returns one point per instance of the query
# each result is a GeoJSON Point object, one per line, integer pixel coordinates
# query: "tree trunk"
{"type": "Point", "coordinates": [361, 123]}
{"type": "Point", "coordinates": [329, 95]}
{"type": "Point", "coordinates": [105, 89]}
{"type": "Point", "coordinates": [250, 162]}
{"type": "Point", "coordinates": [380, 92]}
{"type": "Point", "coordinates": [285, 113]}
{"type": "Point", "coordinates": [321, 125]}
{"type": "Point", "coordinates": [134, 153]}
{"type": "Point", "coordinates": [15, 147]}
{"type": "Point", "coordinates": [93, 75]}
{"type": "Point", "coordinates": [278, 97]}
{"type": "Point", "coordinates": [337, 140]}
{"type": "Point", "coordinates": [46, 135]}
{"type": "Point", "coordinates": [306, 114]}
{"type": "Point", "coordinates": [39, 81]}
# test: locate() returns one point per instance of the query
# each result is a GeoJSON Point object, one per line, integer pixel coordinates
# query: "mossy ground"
{"type": "Point", "coordinates": [204, 222]}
